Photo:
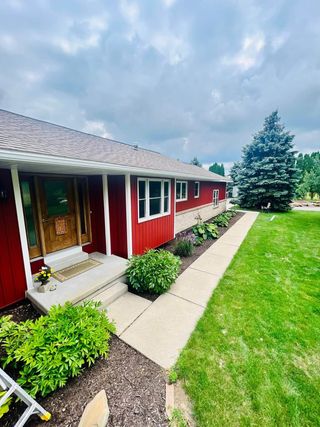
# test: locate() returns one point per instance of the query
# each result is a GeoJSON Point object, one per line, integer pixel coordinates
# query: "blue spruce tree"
{"type": "Point", "coordinates": [268, 173]}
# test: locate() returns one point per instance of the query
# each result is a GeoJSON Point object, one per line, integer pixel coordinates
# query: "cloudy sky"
{"type": "Point", "coordinates": [186, 78]}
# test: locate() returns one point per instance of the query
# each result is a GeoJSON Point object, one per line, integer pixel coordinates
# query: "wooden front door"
{"type": "Point", "coordinates": [58, 209]}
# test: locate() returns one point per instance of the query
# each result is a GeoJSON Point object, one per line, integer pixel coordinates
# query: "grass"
{"type": "Point", "coordinates": [254, 357]}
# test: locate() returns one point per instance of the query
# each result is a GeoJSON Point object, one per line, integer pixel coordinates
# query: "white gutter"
{"type": "Point", "coordinates": [41, 159]}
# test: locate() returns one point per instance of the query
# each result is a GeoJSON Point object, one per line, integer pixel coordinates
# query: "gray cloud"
{"type": "Point", "coordinates": [184, 78]}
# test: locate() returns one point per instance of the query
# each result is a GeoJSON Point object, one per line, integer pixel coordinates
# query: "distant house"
{"type": "Point", "coordinates": [65, 194]}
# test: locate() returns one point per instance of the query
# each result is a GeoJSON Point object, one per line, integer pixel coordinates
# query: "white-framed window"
{"type": "Point", "coordinates": [215, 198]}
{"type": "Point", "coordinates": [196, 189]}
{"type": "Point", "coordinates": [153, 198]}
{"type": "Point", "coordinates": [181, 191]}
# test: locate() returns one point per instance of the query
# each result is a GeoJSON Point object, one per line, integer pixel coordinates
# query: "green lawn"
{"type": "Point", "coordinates": [254, 357]}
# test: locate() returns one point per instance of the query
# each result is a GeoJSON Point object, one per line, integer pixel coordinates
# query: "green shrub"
{"type": "Point", "coordinates": [49, 350]}
{"type": "Point", "coordinates": [221, 220]}
{"type": "Point", "coordinates": [204, 231]}
{"type": "Point", "coordinates": [154, 271]}
{"type": "Point", "coordinates": [183, 248]}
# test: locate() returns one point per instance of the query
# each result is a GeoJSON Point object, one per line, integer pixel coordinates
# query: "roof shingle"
{"type": "Point", "coordinates": [29, 135]}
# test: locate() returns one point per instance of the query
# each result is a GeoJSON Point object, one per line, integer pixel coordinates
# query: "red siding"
{"type": "Point", "coordinates": [117, 210]}
{"type": "Point", "coordinates": [206, 189]}
{"type": "Point", "coordinates": [36, 265]}
{"type": "Point", "coordinates": [12, 275]}
{"type": "Point", "coordinates": [153, 233]}
{"type": "Point", "coordinates": [98, 243]}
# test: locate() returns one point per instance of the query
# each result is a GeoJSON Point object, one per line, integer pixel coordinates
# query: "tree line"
{"type": "Point", "coordinates": [308, 166]}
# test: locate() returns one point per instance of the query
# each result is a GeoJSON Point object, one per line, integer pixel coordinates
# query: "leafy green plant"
{"type": "Point", "coordinates": [154, 271]}
{"type": "Point", "coordinates": [221, 220]}
{"type": "Point", "coordinates": [232, 212]}
{"type": "Point", "coordinates": [5, 407]}
{"type": "Point", "coordinates": [184, 248]}
{"type": "Point", "coordinates": [204, 231]}
{"type": "Point", "coordinates": [53, 348]}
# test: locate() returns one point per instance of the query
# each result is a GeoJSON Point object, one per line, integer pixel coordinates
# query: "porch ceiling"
{"type": "Point", "coordinates": [25, 166]}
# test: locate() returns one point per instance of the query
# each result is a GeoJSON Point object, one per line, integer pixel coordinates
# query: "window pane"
{"type": "Point", "coordinates": [166, 189]}
{"type": "Point", "coordinates": [155, 206]}
{"type": "Point", "coordinates": [196, 189]}
{"type": "Point", "coordinates": [183, 190]}
{"type": "Point", "coordinates": [142, 189]}
{"type": "Point", "coordinates": [28, 211]}
{"type": "Point", "coordinates": [56, 197]}
{"type": "Point", "coordinates": [166, 204]}
{"type": "Point", "coordinates": [178, 187]}
{"type": "Point", "coordinates": [82, 206]}
{"type": "Point", "coordinates": [142, 208]}
{"type": "Point", "coordinates": [155, 189]}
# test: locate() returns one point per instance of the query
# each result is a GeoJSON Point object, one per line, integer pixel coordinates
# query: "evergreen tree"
{"type": "Point", "coordinates": [196, 162]}
{"type": "Point", "coordinates": [268, 173]}
{"type": "Point", "coordinates": [235, 172]}
{"type": "Point", "coordinates": [216, 168]}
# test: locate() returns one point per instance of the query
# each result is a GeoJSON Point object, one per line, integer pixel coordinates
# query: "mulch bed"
{"type": "Point", "coordinates": [135, 387]}
{"type": "Point", "coordinates": [199, 250]}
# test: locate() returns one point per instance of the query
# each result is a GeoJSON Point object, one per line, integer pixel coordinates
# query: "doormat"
{"type": "Point", "coordinates": [76, 269]}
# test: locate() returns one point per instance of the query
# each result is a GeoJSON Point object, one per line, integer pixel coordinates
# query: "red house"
{"type": "Point", "coordinates": [65, 194]}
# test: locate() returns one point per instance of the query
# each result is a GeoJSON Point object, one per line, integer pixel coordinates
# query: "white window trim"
{"type": "Point", "coordinates": [149, 217]}
{"type": "Point", "coordinates": [186, 198]}
{"type": "Point", "coordinates": [215, 200]}
{"type": "Point", "coordinates": [197, 182]}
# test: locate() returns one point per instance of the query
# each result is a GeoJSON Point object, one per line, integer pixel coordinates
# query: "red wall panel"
{"type": "Point", "coordinates": [98, 243]}
{"type": "Point", "coordinates": [36, 265]}
{"type": "Point", "coordinates": [117, 209]}
{"type": "Point", "coordinates": [12, 275]}
{"type": "Point", "coordinates": [206, 189]}
{"type": "Point", "coordinates": [153, 233]}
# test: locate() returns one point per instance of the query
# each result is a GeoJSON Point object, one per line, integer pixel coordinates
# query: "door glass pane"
{"type": "Point", "coordinates": [155, 189]}
{"type": "Point", "coordinates": [82, 206]}
{"type": "Point", "coordinates": [155, 206]}
{"type": "Point", "coordinates": [56, 194]}
{"type": "Point", "coordinates": [28, 211]}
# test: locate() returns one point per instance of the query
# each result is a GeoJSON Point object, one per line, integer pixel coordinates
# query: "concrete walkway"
{"type": "Point", "coordinates": [160, 330]}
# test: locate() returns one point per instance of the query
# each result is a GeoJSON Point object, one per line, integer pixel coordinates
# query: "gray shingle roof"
{"type": "Point", "coordinates": [24, 134]}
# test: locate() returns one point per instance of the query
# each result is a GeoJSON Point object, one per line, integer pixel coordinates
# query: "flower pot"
{"type": "Point", "coordinates": [44, 288]}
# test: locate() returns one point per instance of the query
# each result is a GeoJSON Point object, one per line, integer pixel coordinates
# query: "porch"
{"type": "Point", "coordinates": [104, 282]}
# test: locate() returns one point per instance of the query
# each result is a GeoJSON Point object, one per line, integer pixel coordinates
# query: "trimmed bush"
{"type": "Point", "coordinates": [154, 271]}
{"type": "Point", "coordinates": [184, 247]}
{"type": "Point", "coordinates": [204, 231]}
{"type": "Point", "coordinates": [53, 348]}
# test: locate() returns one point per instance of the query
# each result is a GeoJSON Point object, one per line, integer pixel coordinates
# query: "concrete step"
{"type": "Point", "coordinates": [67, 261]}
{"type": "Point", "coordinates": [109, 295]}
